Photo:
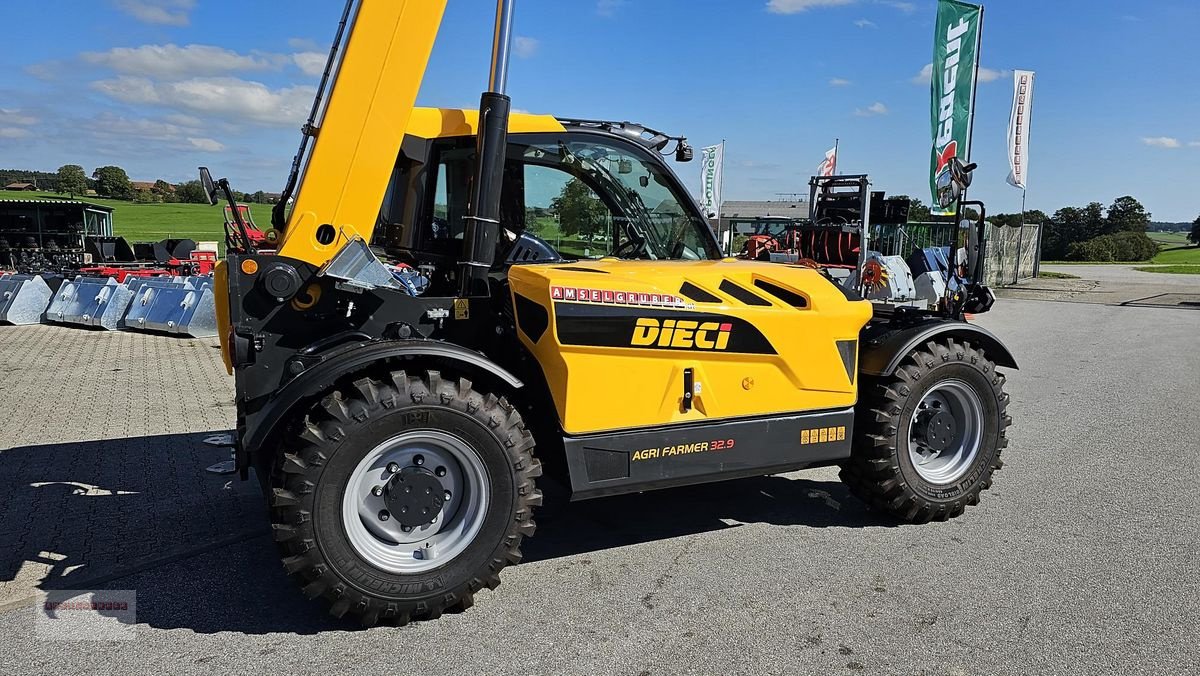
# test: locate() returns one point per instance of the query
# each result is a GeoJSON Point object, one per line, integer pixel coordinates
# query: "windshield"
{"type": "Point", "coordinates": [596, 198]}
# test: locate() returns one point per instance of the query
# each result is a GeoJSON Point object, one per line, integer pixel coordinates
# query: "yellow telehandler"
{"type": "Point", "coordinates": [459, 300]}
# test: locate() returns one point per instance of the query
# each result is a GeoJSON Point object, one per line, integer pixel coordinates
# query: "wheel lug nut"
{"type": "Point", "coordinates": [377, 491]}
{"type": "Point", "coordinates": [447, 495]}
{"type": "Point", "coordinates": [420, 460]}
{"type": "Point", "coordinates": [406, 529]}
{"type": "Point", "coordinates": [383, 515]}
{"type": "Point", "coordinates": [393, 468]}
{"type": "Point", "coordinates": [441, 471]}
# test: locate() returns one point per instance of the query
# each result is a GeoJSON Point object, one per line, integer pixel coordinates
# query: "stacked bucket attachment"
{"type": "Point", "coordinates": [98, 302]}
{"type": "Point", "coordinates": [23, 299]}
{"type": "Point", "coordinates": [182, 306]}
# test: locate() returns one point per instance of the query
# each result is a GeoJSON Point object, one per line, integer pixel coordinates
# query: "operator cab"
{"type": "Point", "coordinates": [596, 190]}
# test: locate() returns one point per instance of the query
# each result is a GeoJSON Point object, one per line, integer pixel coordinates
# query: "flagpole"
{"type": "Point", "coordinates": [836, 143]}
{"type": "Point", "coordinates": [974, 92]}
{"type": "Point", "coordinates": [721, 206]}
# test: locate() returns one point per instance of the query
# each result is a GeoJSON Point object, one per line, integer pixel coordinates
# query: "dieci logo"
{"type": "Point", "coordinates": [681, 334]}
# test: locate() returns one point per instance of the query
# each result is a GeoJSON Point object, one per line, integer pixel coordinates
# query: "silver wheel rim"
{"type": "Point", "coordinates": [949, 464]}
{"type": "Point", "coordinates": [383, 542]}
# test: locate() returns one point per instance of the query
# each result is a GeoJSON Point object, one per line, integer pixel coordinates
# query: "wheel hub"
{"type": "Point", "coordinates": [414, 497]}
{"type": "Point", "coordinates": [946, 432]}
{"type": "Point", "coordinates": [936, 429]}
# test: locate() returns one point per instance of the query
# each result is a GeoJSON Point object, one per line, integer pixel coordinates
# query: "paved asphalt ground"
{"type": "Point", "coordinates": [1083, 559]}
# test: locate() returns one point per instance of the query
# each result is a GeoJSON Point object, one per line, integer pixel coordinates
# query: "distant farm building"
{"type": "Point", "coordinates": [25, 187]}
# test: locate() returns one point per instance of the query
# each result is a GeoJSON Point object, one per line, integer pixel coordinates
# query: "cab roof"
{"type": "Point", "coordinates": [431, 123]}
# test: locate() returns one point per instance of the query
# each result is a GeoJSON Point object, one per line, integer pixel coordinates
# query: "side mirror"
{"type": "Point", "coordinates": [953, 180]}
{"type": "Point", "coordinates": [210, 187]}
{"type": "Point", "coordinates": [684, 152]}
{"type": "Point", "coordinates": [948, 191]}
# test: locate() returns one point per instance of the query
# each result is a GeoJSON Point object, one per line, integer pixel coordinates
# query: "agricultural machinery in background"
{"type": "Point", "coordinates": [56, 268]}
{"type": "Point", "coordinates": [836, 240]}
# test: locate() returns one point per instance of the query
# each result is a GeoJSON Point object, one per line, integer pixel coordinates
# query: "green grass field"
{"type": "Point", "coordinates": [1169, 238]}
{"type": "Point", "coordinates": [1172, 269]}
{"type": "Point", "coordinates": [1179, 255]}
{"type": "Point", "coordinates": [154, 222]}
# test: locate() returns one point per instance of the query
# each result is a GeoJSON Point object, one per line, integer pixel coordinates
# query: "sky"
{"type": "Point", "coordinates": [160, 87]}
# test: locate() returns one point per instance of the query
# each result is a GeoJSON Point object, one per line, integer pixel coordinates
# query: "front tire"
{"type": "Point", "coordinates": [929, 437]}
{"type": "Point", "coordinates": [403, 498]}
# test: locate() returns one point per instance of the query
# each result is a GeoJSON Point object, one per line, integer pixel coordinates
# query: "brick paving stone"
{"type": "Point", "coordinates": [101, 455]}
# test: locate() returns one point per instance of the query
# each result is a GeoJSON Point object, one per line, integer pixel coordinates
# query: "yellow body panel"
{"type": "Point", "coordinates": [430, 123]}
{"type": "Point", "coordinates": [221, 284]}
{"type": "Point", "coordinates": [369, 109]}
{"type": "Point", "coordinates": [601, 388]}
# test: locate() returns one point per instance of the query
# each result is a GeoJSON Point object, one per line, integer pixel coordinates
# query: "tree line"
{"type": "Point", "coordinates": [113, 182]}
{"type": "Point", "coordinates": [1093, 232]}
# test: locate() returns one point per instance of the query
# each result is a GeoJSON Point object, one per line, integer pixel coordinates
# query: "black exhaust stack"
{"type": "Point", "coordinates": [483, 213]}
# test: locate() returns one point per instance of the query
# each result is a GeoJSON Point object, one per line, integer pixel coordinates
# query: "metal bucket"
{"type": "Point", "coordinates": [182, 306]}
{"type": "Point", "coordinates": [90, 301]}
{"type": "Point", "coordinates": [23, 299]}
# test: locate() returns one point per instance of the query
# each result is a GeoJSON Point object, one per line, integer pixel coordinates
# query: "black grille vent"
{"type": "Point", "coordinates": [693, 292]}
{"type": "Point", "coordinates": [744, 295]}
{"type": "Point", "coordinates": [790, 297]}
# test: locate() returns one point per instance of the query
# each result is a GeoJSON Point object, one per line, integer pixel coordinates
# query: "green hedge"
{"type": "Point", "coordinates": [1120, 246]}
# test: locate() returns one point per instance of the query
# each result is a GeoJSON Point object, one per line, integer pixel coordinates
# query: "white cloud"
{"type": "Point", "coordinates": [167, 12]}
{"type": "Point", "coordinates": [608, 7]}
{"type": "Point", "coordinates": [986, 75]}
{"type": "Point", "coordinates": [873, 110]}
{"type": "Point", "coordinates": [865, 23]}
{"type": "Point", "coordinates": [839, 82]}
{"type": "Point", "coordinates": [175, 61]}
{"type": "Point", "coordinates": [304, 44]}
{"type": "Point", "coordinates": [206, 144]}
{"type": "Point", "coordinates": [797, 6]}
{"type": "Point", "coordinates": [14, 116]}
{"type": "Point", "coordinates": [906, 7]}
{"type": "Point", "coordinates": [310, 63]}
{"type": "Point", "coordinates": [1162, 142]}
{"type": "Point", "coordinates": [180, 133]}
{"type": "Point", "coordinates": [525, 47]}
{"type": "Point", "coordinates": [1194, 144]}
{"type": "Point", "coordinates": [14, 132]}
{"type": "Point", "coordinates": [232, 98]}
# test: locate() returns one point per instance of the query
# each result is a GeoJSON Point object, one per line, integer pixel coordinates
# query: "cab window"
{"type": "Point", "coordinates": [587, 197]}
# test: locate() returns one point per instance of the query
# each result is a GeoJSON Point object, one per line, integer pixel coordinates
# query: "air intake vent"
{"type": "Point", "coordinates": [744, 295]}
{"type": "Point", "coordinates": [531, 317]}
{"type": "Point", "coordinates": [693, 292]}
{"type": "Point", "coordinates": [848, 349]}
{"type": "Point", "coordinates": [576, 269]}
{"type": "Point", "coordinates": [790, 297]}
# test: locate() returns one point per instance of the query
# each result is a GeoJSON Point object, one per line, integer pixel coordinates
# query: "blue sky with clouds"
{"type": "Point", "coordinates": [161, 86]}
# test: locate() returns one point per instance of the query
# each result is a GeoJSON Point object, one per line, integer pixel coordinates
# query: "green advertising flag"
{"type": "Point", "coordinates": [955, 66]}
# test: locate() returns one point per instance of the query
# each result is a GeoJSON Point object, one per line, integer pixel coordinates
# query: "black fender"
{"type": "Point", "coordinates": [884, 348]}
{"type": "Point", "coordinates": [260, 425]}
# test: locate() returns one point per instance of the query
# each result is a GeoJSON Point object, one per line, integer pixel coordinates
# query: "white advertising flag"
{"type": "Point", "coordinates": [711, 159]}
{"type": "Point", "coordinates": [828, 166]}
{"type": "Point", "coordinates": [1018, 128]}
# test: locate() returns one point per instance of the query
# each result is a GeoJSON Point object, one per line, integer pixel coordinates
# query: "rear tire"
{"type": "Point", "coordinates": [928, 438]}
{"type": "Point", "coordinates": [346, 468]}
